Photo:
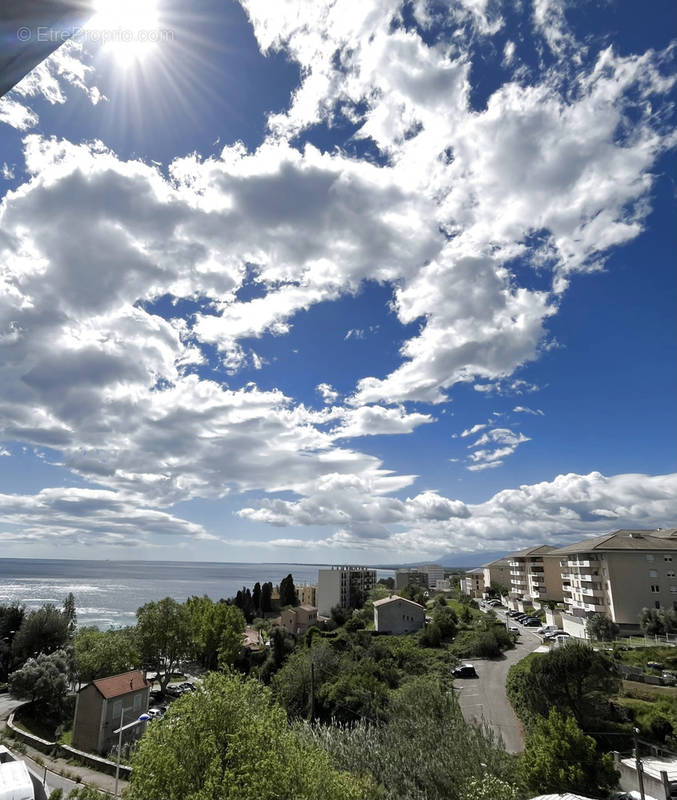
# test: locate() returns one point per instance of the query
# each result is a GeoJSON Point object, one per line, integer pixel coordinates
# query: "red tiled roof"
{"type": "Point", "coordinates": [117, 685]}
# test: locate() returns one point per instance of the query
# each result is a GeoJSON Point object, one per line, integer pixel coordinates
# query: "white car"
{"type": "Point", "coordinates": [546, 629]}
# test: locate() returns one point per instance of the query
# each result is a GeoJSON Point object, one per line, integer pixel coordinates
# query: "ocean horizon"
{"type": "Point", "coordinates": [108, 592]}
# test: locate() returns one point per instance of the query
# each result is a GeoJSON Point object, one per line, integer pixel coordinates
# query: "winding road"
{"type": "Point", "coordinates": [484, 698]}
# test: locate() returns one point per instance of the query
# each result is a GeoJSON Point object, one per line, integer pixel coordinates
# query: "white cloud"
{"type": "Point", "coordinates": [327, 392]}
{"type": "Point", "coordinates": [526, 410]}
{"type": "Point", "coordinates": [487, 458]}
{"type": "Point", "coordinates": [378, 420]}
{"type": "Point", "coordinates": [6, 171]}
{"type": "Point", "coordinates": [14, 113]}
{"type": "Point", "coordinates": [564, 510]}
{"type": "Point", "coordinates": [90, 517]}
{"type": "Point", "coordinates": [475, 429]}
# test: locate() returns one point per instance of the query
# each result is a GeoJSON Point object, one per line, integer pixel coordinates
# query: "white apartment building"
{"type": "Point", "coordinates": [337, 585]}
{"type": "Point", "coordinates": [619, 574]}
{"type": "Point", "coordinates": [535, 574]}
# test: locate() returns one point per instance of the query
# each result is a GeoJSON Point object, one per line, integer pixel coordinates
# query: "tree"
{"type": "Point", "coordinates": [163, 630]}
{"type": "Point", "coordinates": [658, 621]}
{"type": "Point", "coordinates": [559, 757]}
{"type": "Point", "coordinates": [389, 583]}
{"type": "Point", "coordinates": [100, 653]}
{"type": "Point", "coordinates": [575, 680]}
{"type": "Point", "coordinates": [44, 630]}
{"type": "Point", "coordinates": [230, 741]}
{"type": "Point", "coordinates": [288, 595]}
{"type": "Point", "coordinates": [446, 620]}
{"type": "Point", "coordinates": [69, 612]}
{"type": "Point", "coordinates": [266, 597]}
{"type": "Point", "coordinates": [602, 628]}
{"type": "Point", "coordinates": [42, 680]}
{"type": "Point", "coordinates": [215, 631]}
{"type": "Point", "coordinates": [256, 598]}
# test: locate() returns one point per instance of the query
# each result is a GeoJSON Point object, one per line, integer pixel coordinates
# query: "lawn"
{"type": "Point", "coordinates": [639, 656]}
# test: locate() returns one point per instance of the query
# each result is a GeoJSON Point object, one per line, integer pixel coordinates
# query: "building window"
{"type": "Point", "coordinates": [117, 710]}
{"type": "Point", "coordinates": [670, 573]}
{"type": "Point", "coordinates": [655, 588]}
{"type": "Point", "coordinates": [657, 603]}
{"type": "Point", "coordinates": [667, 558]}
{"type": "Point", "coordinates": [653, 573]}
{"type": "Point", "coordinates": [649, 557]}
{"type": "Point", "coordinates": [673, 590]}
{"type": "Point", "coordinates": [137, 702]}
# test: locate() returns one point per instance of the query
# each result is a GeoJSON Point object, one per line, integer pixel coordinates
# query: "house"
{"type": "Point", "coordinates": [398, 615]}
{"type": "Point", "coordinates": [618, 574]}
{"type": "Point", "coordinates": [104, 705]}
{"type": "Point", "coordinates": [659, 776]}
{"type": "Point", "coordinates": [343, 586]}
{"type": "Point", "coordinates": [298, 620]}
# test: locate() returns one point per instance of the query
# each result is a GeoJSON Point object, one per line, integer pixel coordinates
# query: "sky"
{"type": "Point", "coordinates": [339, 281]}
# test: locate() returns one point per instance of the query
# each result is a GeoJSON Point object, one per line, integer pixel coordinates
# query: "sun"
{"type": "Point", "coordinates": [127, 29]}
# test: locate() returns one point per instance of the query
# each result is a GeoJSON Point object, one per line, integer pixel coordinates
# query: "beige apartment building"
{"type": "Point", "coordinates": [535, 574]}
{"type": "Point", "coordinates": [472, 583]}
{"type": "Point", "coordinates": [497, 573]}
{"type": "Point", "coordinates": [619, 574]}
{"type": "Point", "coordinates": [298, 620]}
{"type": "Point", "coordinates": [307, 594]}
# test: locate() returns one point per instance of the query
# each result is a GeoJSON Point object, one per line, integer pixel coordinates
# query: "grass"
{"type": "Point", "coordinates": [645, 691]}
{"type": "Point", "coordinates": [638, 657]}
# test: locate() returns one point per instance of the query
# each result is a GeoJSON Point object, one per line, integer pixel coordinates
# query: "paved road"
{"type": "Point", "coordinates": [484, 698]}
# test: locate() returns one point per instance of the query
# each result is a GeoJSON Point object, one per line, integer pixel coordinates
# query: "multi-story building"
{"type": "Point", "coordinates": [343, 586]}
{"type": "Point", "coordinates": [410, 577]}
{"type": "Point", "coordinates": [619, 574]}
{"type": "Point", "coordinates": [472, 583]}
{"type": "Point", "coordinates": [426, 576]}
{"type": "Point", "coordinates": [535, 574]}
{"type": "Point", "coordinates": [497, 573]}
{"type": "Point", "coordinates": [307, 594]}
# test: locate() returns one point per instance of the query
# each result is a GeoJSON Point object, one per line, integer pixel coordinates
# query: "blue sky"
{"type": "Point", "coordinates": [369, 281]}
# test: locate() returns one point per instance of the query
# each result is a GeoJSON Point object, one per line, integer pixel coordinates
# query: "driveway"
{"type": "Point", "coordinates": [484, 698]}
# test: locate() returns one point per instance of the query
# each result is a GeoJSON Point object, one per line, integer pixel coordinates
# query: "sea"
{"type": "Point", "coordinates": [108, 593]}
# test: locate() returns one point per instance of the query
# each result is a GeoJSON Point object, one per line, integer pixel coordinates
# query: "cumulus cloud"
{"type": "Point", "coordinates": [567, 509]}
{"type": "Point", "coordinates": [474, 429]}
{"type": "Point", "coordinates": [90, 517]}
{"type": "Point", "coordinates": [502, 443]}
{"type": "Point", "coordinates": [327, 392]}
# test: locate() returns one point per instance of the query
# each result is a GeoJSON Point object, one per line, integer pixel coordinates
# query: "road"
{"type": "Point", "coordinates": [484, 698]}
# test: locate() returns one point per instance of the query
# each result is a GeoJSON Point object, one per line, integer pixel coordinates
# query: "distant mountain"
{"type": "Point", "coordinates": [465, 560]}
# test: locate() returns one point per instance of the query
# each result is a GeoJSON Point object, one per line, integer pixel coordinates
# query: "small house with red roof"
{"type": "Point", "coordinates": [103, 705]}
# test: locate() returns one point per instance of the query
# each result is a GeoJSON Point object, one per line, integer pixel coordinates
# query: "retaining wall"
{"type": "Point", "coordinates": [66, 751]}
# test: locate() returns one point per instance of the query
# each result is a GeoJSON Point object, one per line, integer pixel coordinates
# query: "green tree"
{"type": "Point", "coordinates": [163, 630]}
{"type": "Point", "coordinates": [658, 621]}
{"type": "Point", "coordinates": [230, 741]}
{"type": "Point", "coordinates": [69, 611]}
{"type": "Point", "coordinates": [559, 757]}
{"type": "Point", "coordinates": [44, 630]}
{"type": "Point", "coordinates": [215, 631]}
{"type": "Point", "coordinates": [602, 628]}
{"type": "Point", "coordinates": [288, 595]}
{"type": "Point", "coordinates": [446, 620]}
{"type": "Point", "coordinates": [256, 597]}
{"type": "Point", "coordinates": [575, 680]}
{"type": "Point", "coordinates": [43, 680]}
{"type": "Point", "coordinates": [266, 597]}
{"type": "Point", "coordinates": [100, 653]}
{"type": "Point", "coordinates": [489, 787]}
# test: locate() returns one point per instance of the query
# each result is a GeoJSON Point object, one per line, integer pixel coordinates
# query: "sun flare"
{"type": "Point", "coordinates": [128, 29]}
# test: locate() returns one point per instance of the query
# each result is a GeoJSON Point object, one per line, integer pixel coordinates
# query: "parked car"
{"type": "Point", "coordinates": [154, 713]}
{"type": "Point", "coordinates": [654, 665]}
{"type": "Point", "coordinates": [531, 623]}
{"type": "Point", "coordinates": [514, 629]}
{"type": "Point", "coordinates": [513, 613]}
{"type": "Point", "coordinates": [466, 670]}
{"type": "Point", "coordinates": [187, 687]}
{"type": "Point", "coordinates": [554, 634]}
{"type": "Point", "coordinates": [545, 629]}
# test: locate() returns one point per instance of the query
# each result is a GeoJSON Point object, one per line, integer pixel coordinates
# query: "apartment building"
{"type": "Point", "coordinates": [535, 574]}
{"type": "Point", "coordinates": [497, 573]}
{"type": "Point", "coordinates": [426, 576]}
{"type": "Point", "coordinates": [472, 583]}
{"type": "Point", "coordinates": [343, 585]}
{"type": "Point", "coordinates": [298, 620]}
{"type": "Point", "coordinates": [619, 574]}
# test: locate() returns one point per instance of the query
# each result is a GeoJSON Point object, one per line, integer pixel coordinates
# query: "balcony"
{"type": "Point", "coordinates": [536, 570]}
{"type": "Point", "coordinates": [519, 564]}
{"type": "Point", "coordinates": [583, 564]}
{"type": "Point", "coordinates": [590, 592]}
{"type": "Point", "coordinates": [567, 590]}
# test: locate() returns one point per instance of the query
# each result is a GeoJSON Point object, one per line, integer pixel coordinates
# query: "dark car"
{"type": "Point", "coordinates": [513, 613]}
{"type": "Point", "coordinates": [532, 623]}
{"type": "Point", "coordinates": [464, 671]}
{"type": "Point", "coordinates": [187, 687]}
